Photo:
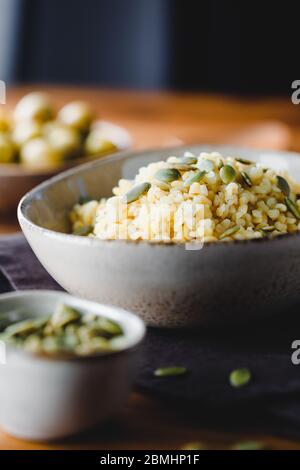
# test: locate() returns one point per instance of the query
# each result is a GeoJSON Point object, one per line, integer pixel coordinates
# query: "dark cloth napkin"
{"type": "Point", "coordinates": [270, 402]}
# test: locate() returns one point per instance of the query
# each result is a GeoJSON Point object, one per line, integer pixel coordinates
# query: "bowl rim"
{"type": "Point", "coordinates": [88, 241]}
{"type": "Point", "coordinates": [15, 169]}
{"type": "Point", "coordinates": [137, 335]}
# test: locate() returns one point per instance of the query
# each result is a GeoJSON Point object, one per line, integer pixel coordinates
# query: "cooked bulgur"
{"type": "Point", "coordinates": [207, 197]}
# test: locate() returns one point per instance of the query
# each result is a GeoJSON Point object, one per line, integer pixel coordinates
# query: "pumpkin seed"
{"type": "Point", "coordinates": [25, 327]}
{"type": "Point", "coordinates": [162, 185]}
{"type": "Point", "coordinates": [195, 178]}
{"type": "Point", "coordinates": [246, 179]}
{"type": "Point", "coordinates": [188, 160]}
{"type": "Point", "coordinates": [180, 166]}
{"type": "Point", "coordinates": [227, 174]}
{"type": "Point", "coordinates": [240, 377]}
{"type": "Point", "coordinates": [136, 192]}
{"type": "Point", "coordinates": [32, 343]}
{"type": "Point", "coordinates": [167, 175]}
{"type": "Point", "coordinates": [230, 231]}
{"type": "Point", "coordinates": [109, 326]}
{"type": "Point", "coordinates": [170, 371]}
{"type": "Point", "coordinates": [292, 207]}
{"type": "Point", "coordinates": [244, 161]}
{"type": "Point", "coordinates": [205, 164]}
{"type": "Point", "coordinates": [248, 445]}
{"type": "Point", "coordinates": [84, 230]}
{"type": "Point", "coordinates": [268, 228]}
{"type": "Point", "coordinates": [64, 315]}
{"type": "Point", "coordinates": [66, 331]}
{"type": "Point", "coordinates": [283, 185]}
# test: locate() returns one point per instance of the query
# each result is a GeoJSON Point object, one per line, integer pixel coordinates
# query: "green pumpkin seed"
{"type": "Point", "coordinates": [84, 230]}
{"type": "Point", "coordinates": [136, 192]}
{"type": "Point", "coordinates": [248, 445]}
{"type": "Point", "coordinates": [109, 326]}
{"type": "Point", "coordinates": [64, 315]}
{"type": "Point", "coordinates": [240, 377]}
{"type": "Point", "coordinates": [227, 174]}
{"type": "Point", "coordinates": [230, 231]}
{"type": "Point", "coordinates": [66, 331]}
{"type": "Point", "coordinates": [268, 228]}
{"type": "Point", "coordinates": [244, 161]}
{"type": "Point", "coordinates": [205, 164]}
{"type": "Point", "coordinates": [162, 185]}
{"type": "Point", "coordinates": [170, 371]}
{"type": "Point", "coordinates": [180, 166]}
{"type": "Point", "coordinates": [167, 175]}
{"type": "Point", "coordinates": [246, 179]}
{"type": "Point", "coordinates": [188, 160]}
{"type": "Point", "coordinates": [292, 207]}
{"type": "Point", "coordinates": [32, 343]}
{"type": "Point", "coordinates": [195, 178]}
{"type": "Point", "coordinates": [25, 327]}
{"type": "Point", "coordinates": [283, 185]}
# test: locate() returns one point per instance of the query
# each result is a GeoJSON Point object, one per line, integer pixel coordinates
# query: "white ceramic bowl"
{"type": "Point", "coordinates": [47, 398]}
{"type": "Point", "coordinates": [167, 285]}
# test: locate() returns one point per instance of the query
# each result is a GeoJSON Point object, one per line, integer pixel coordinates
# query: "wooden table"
{"type": "Point", "coordinates": [164, 119]}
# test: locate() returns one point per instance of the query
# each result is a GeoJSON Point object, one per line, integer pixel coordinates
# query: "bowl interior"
{"type": "Point", "coordinates": [29, 304]}
{"type": "Point", "coordinates": [49, 204]}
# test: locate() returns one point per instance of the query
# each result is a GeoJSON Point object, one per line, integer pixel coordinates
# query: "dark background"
{"type": "Point", "coordinates": [242, 47]}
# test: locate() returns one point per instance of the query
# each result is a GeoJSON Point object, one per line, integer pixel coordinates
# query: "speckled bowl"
{"type": "Point", "coordinates": [166, 285]}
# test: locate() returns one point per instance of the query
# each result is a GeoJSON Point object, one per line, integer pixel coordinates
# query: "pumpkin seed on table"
{"type": "Point", "coordinates": [171, 371]}
{"type": "Point", "coordinates": [230, 231]}
{"type": "Point", "coordinates": [283, 185]}
{"type": "Point", "coordinates": [246, 179]}
{"type": "Point", "coordinates": [240, 377]}
{"type": "Point", "coordinates": [292, 207]}
{"type": "Point", "coordinates": [195, 178]}
{"type": "Point", "coordinates": [167, 175]}
{"type": "Point", "coordinates": [136, 192]}
{"type": "Point", "coordinates": [227, 174]}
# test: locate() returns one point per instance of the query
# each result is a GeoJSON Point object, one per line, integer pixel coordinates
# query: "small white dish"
{"type": "Point", "coordinates": [49, 398]}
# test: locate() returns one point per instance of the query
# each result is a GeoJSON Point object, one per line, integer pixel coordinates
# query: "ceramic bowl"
{"type": "Point", "coordinates": [166, 285]}
{"type": "Point", "coordinates": [16, 180]}
{"type": "Point", "coordinates": [47, 398]}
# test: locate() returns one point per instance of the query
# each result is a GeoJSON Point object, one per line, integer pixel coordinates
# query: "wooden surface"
{"type": "Point", "coordinates": [164, 119]}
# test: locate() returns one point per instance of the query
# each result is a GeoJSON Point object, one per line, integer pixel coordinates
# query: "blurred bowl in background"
{"type": "Point", "coordinates": [17, 179]}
